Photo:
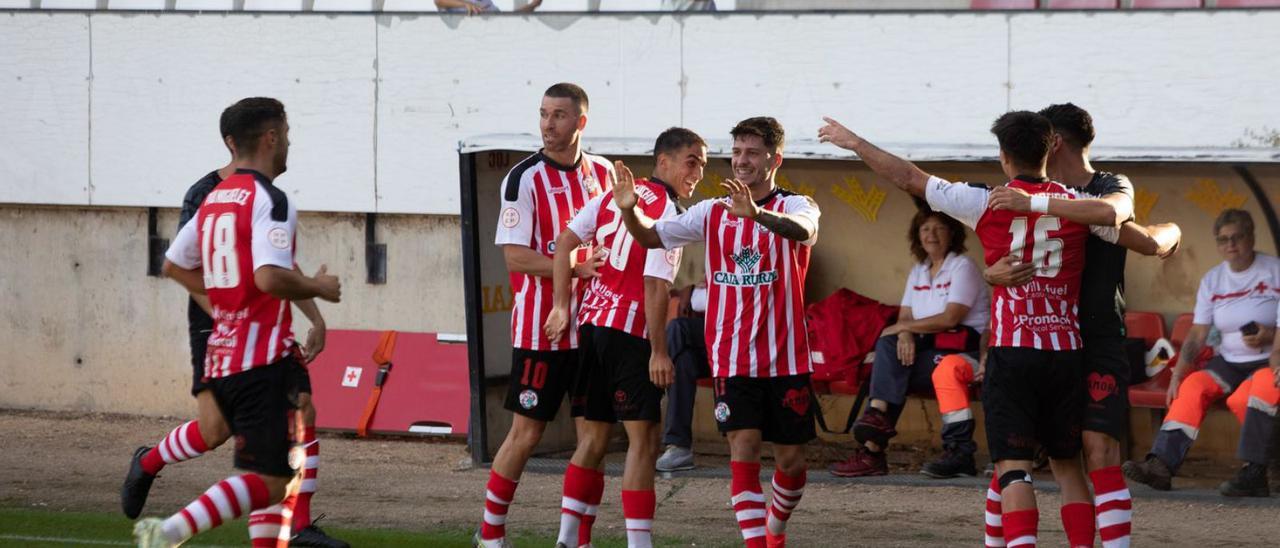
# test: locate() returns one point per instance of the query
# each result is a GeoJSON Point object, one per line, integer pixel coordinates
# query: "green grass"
{"type": "Point", "coordinates": [41, 528]}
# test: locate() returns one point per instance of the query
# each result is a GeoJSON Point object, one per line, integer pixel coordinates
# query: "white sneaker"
{"type": "Point", "coordinates": [676, 458]}
{"type": "Point", "coordinates": [149, 532]}
{"type": "Point", "coordinates": [477, 542]}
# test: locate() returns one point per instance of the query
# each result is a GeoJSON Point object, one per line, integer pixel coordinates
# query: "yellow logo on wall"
{"type": "Point", "coordinates": [1143, 202]}
{"type": "Point", "coordinates": [1211, 198]}
{"type": "Point", "coordinates": [866, 202]}
{"type": "Point", "coordinates": [710, 186]}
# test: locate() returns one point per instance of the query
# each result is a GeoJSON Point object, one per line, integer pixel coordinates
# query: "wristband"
{"type": "Point", "coordinates": [1040, 203]}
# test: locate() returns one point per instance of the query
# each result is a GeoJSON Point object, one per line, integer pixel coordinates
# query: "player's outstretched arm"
{"type": "Point", "coordinates": [791, 227]}
{"type": "Point", "coordinates": [902, 173]}
{"type": "Point", "coordinates": [1109, 210]}
{"type": "Point", "coordinates": [624, 196]}
{"type": "Point", "coordinates": [292, 285]}
{"type": "Point", "coordinates": [1155, 240]}
{"type": "Point", "coordinates": [190, 279]}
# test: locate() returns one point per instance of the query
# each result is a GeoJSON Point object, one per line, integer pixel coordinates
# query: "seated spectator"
{"type": "Point", "coordinates": [1238, 298]}
{"type": "Point", "coordinates": [945, 310]}
{"type": "Point", "coordinates": [686, 343]}
{"type": "Point", "coordinates": [688, 5]}
{"type": "Point", "coordinates": [472, 7]}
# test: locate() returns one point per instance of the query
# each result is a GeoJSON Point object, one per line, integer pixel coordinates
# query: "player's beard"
{"type": "Point", "coordinates": [281, 161]}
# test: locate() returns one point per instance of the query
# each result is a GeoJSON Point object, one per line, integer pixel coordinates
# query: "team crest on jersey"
{"type": "Point", "coordinates": [528, 399]}
{"type": "Point", "coordinates": [279, 238]}
{"type": "Point", "coordinates": [510, 217]}
{"type": "Point", "coordinates": [722, 412]}
{"type": "Point", "coordinates": [673, 257]}
{"type": "Point", "coordinates": [746, 259]}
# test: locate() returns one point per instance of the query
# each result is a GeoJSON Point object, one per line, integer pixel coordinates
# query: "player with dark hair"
{"type": "Point", "coordinates": [1032, 392]}
{"type": "Point", "coordinates": [239, 251]}
{"type": "Point", "coordinates": [757, 256]}
{"type": "Point", "coordinates": [540, 196]}
{"type": "Point", "coordinates": [1106, 366]}
{"type": "Point", "coordinates": [624, 363]}
{"type": "Point", "coordinates": [209, 431]}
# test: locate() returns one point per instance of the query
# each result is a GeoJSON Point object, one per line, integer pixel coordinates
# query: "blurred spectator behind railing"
{"type": "Point", "coordinates": [688, 5]}
{"type": "Point", "coordinates": [472, 7]}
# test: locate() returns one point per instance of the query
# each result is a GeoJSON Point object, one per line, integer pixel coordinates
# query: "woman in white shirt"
{"type": "Point", "coordinates": [1239, 299]}
{"type": "Point", "coordinates": [945, 310]}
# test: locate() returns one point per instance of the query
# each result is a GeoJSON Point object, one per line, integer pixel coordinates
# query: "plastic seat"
{"type": "Point", "coordinates": [1166, 4]}
{"type": "Point", "coordinates": [1148, 326]}
{"type": "Point", "coordinates": [1082, 4]}
{"type": "Point", "coordinates": [1003, 4]}
{"type": "Point", "coordinates": [1181, 326]}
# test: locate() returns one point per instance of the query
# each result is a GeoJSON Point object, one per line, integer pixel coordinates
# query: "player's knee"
{"type": "Point", "coordinates": [307, 409]}
{"type": "Point", "coordinates": [1101, 450]}
{"type": "Point", "coordinates": [525, 434]}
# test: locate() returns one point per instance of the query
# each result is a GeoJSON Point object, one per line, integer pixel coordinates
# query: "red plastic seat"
{"type": "Point", "coordinates": [1249, 3]}
{"type": "Point", "coordinates": [1148, 326]}
{"type": "Point", "coordinates": [1082, 4]}
{"type": "Point", "coordinates": [1181, 326]}
{"type": "Point", "coordinates": [1166, 4]}
{"type": "Point", "coordinates": [1003, 4]}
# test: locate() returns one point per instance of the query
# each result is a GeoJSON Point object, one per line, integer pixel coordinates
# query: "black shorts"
{"type": "Point", "coordinates": [781, 408]}
{"type": "Point", "coordinates": [1033, 397]}
{"type": "Point", "coordinates": [199, 346]}
{"type": "Point", "coordinates": [614, 376]}
{"type": "Point", "coordinates": [540, 379]}
{"type": "Point", "coordinates": [1106, 381]}
{"type": "Point", "coordinates": [256, 406]}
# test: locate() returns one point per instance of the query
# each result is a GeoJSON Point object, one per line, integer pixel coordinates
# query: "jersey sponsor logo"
{"type": "Point", "coordinates": [279, 238]}
{"type": "Point", "coordinates": [528, 399]}
{"type": "Point", "coordinates": [746, 259]}
{"type": "Point", "coordinates": [510, 217]}
{"type": "Point", "coordinates": [1035, 289]}
{"type": "Point", "coordinates": [228, 196]}
{"type": "Point", "coordinates": [601, 290]}
{"type": "Point", "coordinates": [722, 412]}
{"type": "Point", "coordinates": [1042, 322]}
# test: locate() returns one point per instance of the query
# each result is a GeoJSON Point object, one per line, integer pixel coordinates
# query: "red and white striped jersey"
{"type": "Point", "coordinates": [616, 298]}
{"type": "Point", "coordinates": [244, 223]}
{"type": "Point", "coordinates": [755, 324]}
{"type": "Point", "coordinates": [539, 198]}
{"type": "Point", "coordinates": [1042, 314]}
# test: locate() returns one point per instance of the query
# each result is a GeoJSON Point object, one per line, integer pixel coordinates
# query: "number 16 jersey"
{"type": "Point", "coordinates": [243, 224]}
{"type": "Point", "coordinates": [1043, 313]}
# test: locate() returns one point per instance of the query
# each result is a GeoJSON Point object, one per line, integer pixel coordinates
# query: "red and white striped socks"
{"type": "Point", "coordinates": [1113, 505]}
{"type": "Point", "coordinates": [1020, 527]}
{"type": "Point", "coordinates": [269, 527]}
{"type": "Point", "coordinates": [575, 505]}
{"type": "Point", "coordinates": [226, 500]}
{"type": "Point", "coordinates": [183, 443]}
{"type": "Point", "coordinates": [748, 502]}
{"type": "Point", "coordinates": [995, 518]}
{"type": "Point", "coordinates": [594, 496]}
{"type": "Point", "coordinates": [302, 508]}
{"type": "Point", "coordinates": [637, 508]}
{"type": "Point", "coordinates": [498, 495]}
{"type": "Point", "coordinates": [787, 491]}
{"type": "Point", "coordinates": [1077, 521]}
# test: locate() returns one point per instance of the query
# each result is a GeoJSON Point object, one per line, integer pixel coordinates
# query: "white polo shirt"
{"type": "Point", "coordinates": [1228, 300]}
{"type": "Point", "coordinates": [958, 281]}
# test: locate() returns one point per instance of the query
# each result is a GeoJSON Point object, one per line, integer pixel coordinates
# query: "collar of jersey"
{"type": "Point", "coordinates": [769, 196]}
{"type": "Point", "coordinates": [256, 174]}
{"type": "Point", "coordinates": [671, 192]}
{"type": "Point", "coordinates": [559, 166]}
{"type": "Point", "coordinates": [1031, 179]}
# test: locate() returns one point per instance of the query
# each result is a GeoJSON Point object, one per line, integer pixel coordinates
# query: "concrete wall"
{"type": "Point", "coordinates": [110, 108]}
{"type": "Point", "coordinates": [84, 328]}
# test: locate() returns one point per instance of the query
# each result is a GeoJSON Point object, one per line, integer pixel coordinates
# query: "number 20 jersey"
{"type": "Point", "coordinates": [615, 299]}
{"type": "Point", "coordinates": [1042, 314]}
{"type": "Point", "coordinates": [243, 224]}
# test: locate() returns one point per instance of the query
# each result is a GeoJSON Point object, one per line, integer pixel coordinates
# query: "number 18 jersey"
{"type": "Point", "coordinates": [1043, 313]}
{"type": "Point", "coordinates": [615, 299]}
{"type": "Point", "coordinates": [243, 224]}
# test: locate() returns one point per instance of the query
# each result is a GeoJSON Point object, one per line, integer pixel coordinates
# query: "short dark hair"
{"type": "Point", "coordinates": [249, 119]}
{"type": "Point", "coordinates": [765, 127]}
{"type": "Point", "coordinates": [957, 233]}
{"type": "Point", "coordinates": [573, 92]}
{"type": "Point", "coordinates": [1238, 217]}
{"type": "Point", "coordinates": [675, 139]}
{"type": "Point", "coordinates": [1071, 122]}
{"type": "Point", "coordinates": [1025, 137]}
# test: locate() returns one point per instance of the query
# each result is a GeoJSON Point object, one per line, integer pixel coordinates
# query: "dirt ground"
{"type": "Point", "coordinates": [66, 461]}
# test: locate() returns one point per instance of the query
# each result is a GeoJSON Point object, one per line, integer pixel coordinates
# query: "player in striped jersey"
{"type": "Point", "coordinates": [239, 250]}
{"type": "Point", "coordinates": [1033, 390]}
{"type": "Point", "coordinates": [540, 196]}
{"type": "Point", "coordinates": [624, 374]}
{"type": "Point", "coordinates": [757, 256]}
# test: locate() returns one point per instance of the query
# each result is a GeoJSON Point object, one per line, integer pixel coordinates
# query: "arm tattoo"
{"type": "Point", "coordinates": [784, 225]}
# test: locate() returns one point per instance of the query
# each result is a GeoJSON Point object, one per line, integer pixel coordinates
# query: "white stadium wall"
{"type": "Point", "coordinates": [116, 109]}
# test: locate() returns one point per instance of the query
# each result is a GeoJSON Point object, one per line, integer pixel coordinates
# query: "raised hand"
{"type": "Point", "coordinates": [329, 287]}
{"type": "Point", "coordinates": [557, 323]}
{"type": "Point", "coordinates": [1012, 199]}
{"type": "Point", "coordinates": [835, 133]}
{"type": "Point", "coordinates": [624, 189]}
{"type": "Point", "coordinates": [740, 202]}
